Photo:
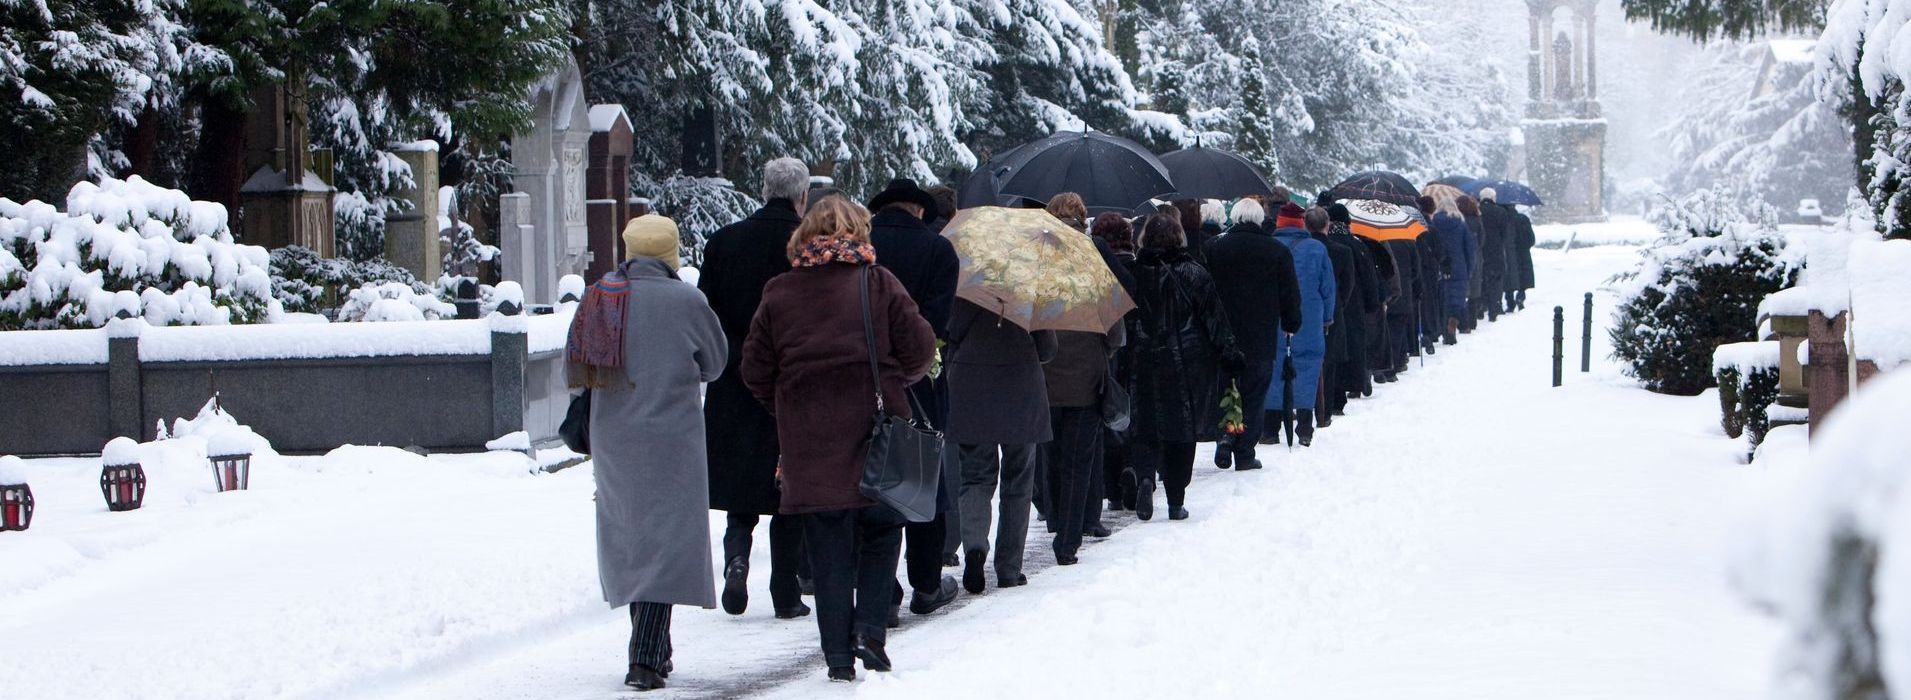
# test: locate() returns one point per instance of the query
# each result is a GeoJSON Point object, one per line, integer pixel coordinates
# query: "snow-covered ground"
{"type": "Point", "coordinates": [1468, 533]}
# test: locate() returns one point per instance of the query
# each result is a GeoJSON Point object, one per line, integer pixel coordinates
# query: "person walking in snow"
{"type": "Point", "coordinates": [1449, 224]}
{"type": "Point", "coordinates": [738, 261]}
{"type": "Point", "coordinates": [1475, 308]}
{"type": "Point", "coordinates": [1182, 341]}
{"type": "Point", "coordinates": [644, 344]}
{"type": "Point", "coordinates": [1366, 307]}
{"type": "Point", "coordinates": [1494, 250]}
{"type": "Point", "coordinates": [1342, 257]}
{"type": "Point", "coordinates": [807, 359]}
{"type": "Point", "coordinates": [1523, 241]}
{"type": "Point", "coordinates": [1254, 276]}
{"type": "Point", "coordinates": [998, 415]}
{"type": "Point", "coordinates": [1314, 273]}
{"type": "Point", "coordinates": [1115, 234]}
{"type": "Point", "coordinates": [926, 264]}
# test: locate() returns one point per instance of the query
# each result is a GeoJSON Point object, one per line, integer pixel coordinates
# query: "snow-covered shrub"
{"type": "Point", "coordinates": [61, 269]}
{"type": "Point", "coordinates": [1698, 288]}
{"type": "Point", "coordinates": [699, 205]}
{"type": "Point", "coordinates": [1747, 375]}
{"type": "Point", "coordinates": [1832, 557]}
{"type": "Point", "coordinates": [463, 250]}
{"type": "Point", "coordinates": [393, 301]}
{"type": "Point", "coordinates": [304, 282]}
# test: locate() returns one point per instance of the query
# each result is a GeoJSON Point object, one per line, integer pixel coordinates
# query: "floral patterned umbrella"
{"type": "Point", "coordinates": [1035, 271]}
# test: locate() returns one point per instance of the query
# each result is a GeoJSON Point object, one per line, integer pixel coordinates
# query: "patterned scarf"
{"type": "Point", "coordinates": [594, 356]}
{"type": "Point", "coordinates": [832, 249]}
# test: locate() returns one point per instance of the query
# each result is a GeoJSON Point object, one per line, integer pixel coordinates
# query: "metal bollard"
{"type": "Point", "coordinates": [1585, 338]}
{"type": "Point", "coordinates": [1559, 345]}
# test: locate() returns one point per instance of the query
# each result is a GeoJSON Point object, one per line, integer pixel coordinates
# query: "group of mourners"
{"type": "Point", "coordinates": [1259, 303]}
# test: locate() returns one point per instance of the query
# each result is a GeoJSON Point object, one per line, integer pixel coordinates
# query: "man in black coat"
{"type": "Point", "coordinates": [742, 448]}
{"type": "Point", "coordinates": [1361, 304]}
{"type": "Point", "coordinates": [1522, 265]}
{"type": "Point", "coordinates": [1493, 248]}
{"type": "Point", "coordinates": [1331, 399]}
{"type": "Point", "coordinates": [1254, 276]}
{"type": "Point", "coordinates": [926, 264]}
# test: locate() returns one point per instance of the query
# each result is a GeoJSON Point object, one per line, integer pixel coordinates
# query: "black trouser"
{"type": "Point", "coordinates": [1404, 337]}
{"type": "Point", "coordinates": [1254, 381]}
{"type": "Point", "coordinates": [1114, 460]}
{"type": "Point", "coordinates": [786, 552]}
{"type": "Point", "coordinates": [1074, 467]}
{"type": "Point", "coordinates": [923, 553]}
{"type": "Point", "coordinates": [650, 635]}
{"type": "Point", "coordinates": [1514, 297]}
{"type": "Point", "coordinates": [1173, 462]}
{"type": "Point", "coordinates": [853, 555]}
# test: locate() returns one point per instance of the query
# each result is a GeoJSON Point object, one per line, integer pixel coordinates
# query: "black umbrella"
{"type": "Point", "coordinates": [1378, 184]}
{"type": "Point", "coordinates": [1459, 181]}
{"type": "Point", "coordinates": [1109, 172]}
{"type": "Point", "coordinates": [1211, 173]}
{"type": "Point", "coordinates": [1506, 192]}
{"type": "Point", "coordinates": [984, 186]}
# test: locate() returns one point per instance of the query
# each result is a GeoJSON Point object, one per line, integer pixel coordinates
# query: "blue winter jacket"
{"type": "Point", "coordinates": [1314, 270]}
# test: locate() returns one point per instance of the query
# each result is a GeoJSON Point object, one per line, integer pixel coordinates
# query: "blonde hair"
{"type": "Point", "coordinates": [1068, 206]}
{"type": "Point", "coordinates": [831, 217]}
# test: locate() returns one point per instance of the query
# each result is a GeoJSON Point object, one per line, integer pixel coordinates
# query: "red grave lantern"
{"type": "Point", "coordinates": [122, 479]}
{"type": "Point", "coordinates": [16, 498]}
{"type": "Point", "coordinates": [230, 452]}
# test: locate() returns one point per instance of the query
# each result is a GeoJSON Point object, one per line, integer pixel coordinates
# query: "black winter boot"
{"type": "Point", "coordinates": [736, 585]}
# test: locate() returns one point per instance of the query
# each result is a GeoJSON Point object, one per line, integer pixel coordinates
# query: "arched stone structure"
{"type": "Point", "coordinates": [1565, 130]}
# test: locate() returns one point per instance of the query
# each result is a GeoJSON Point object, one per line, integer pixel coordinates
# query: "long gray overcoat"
{"type": "Point", "coordinates": [653, 488]}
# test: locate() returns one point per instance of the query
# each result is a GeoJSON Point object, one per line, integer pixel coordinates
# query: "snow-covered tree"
{"type": "Point", "coordinates": [1753, 117]}
{"type": "Point", "coordinates": [1732, 19]}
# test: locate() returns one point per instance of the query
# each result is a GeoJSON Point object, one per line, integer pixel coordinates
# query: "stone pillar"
{"type": "Point", "coordinates": [411, 237]}
{"type": "Point", "coordinates": [1828, 374]}
{"type": "Point", "coordinates": [509, 353]}
{"type": "Point", "coordinates": [125, 396]}
{"type": "Point", "coordinates": [1592, 56]}
{"type": "Point", "coordinates": [607, 188]}
{"type": "Point", "coordinates": [1535, 63]}
{"type": "Point", "coordinates": [517, 243]}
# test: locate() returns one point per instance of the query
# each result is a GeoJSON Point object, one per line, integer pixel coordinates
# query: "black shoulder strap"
{"type": "Point", "coordinates": [869, 336]}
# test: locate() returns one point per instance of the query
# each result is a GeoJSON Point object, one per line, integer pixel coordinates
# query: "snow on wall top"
{"type": "Point", "coordinates": [59, 347]}
{"type": "Point", "coordinates": [1745, 357]}
{"type": "Point", "coordinates": [13, 470]}
{"type": "Point", "coordinates": [604, 117]}
{"type": "Point", "coordinates": [1880, 276]}
{"type": "Point", "coordinates": [550, 331]}
{"type": "Point", "coordinates": [295, 341]}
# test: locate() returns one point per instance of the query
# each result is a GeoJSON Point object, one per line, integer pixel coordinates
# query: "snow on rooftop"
{"type": "Point", "coordinates": [1793, 50]}
{"type": "Point", "coordinates": [604, 117]}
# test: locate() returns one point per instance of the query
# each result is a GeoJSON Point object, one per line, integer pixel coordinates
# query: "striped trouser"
{"type": "Point", "coordinates": [650, 634]}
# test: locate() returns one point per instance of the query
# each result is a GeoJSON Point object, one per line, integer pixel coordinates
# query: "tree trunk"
{"type": "Point", "coordinates": [142, 146]}
{"type": "Point", "coordinates": [219, 169]}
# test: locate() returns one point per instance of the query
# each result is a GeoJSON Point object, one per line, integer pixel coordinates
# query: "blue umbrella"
{"type": "Point", "coordinates": [1506, 191]}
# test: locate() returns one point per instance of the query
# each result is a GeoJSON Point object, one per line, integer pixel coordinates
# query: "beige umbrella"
{"type": "Point", "coordinates": [1035, 271]}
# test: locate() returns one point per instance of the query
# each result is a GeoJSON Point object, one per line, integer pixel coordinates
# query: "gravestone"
{"type": "Point", "coordinates": [411, 236]}
{"type": "Point", "coordinates": [607, 185]}
{"type": "Point", "coordinates": [550, 163]}
{"type": "Point", "coordinates": [516, 238]}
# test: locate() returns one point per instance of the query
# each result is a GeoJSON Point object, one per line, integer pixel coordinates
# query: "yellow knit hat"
{"type": "Point", "coordinates": [652, 236]}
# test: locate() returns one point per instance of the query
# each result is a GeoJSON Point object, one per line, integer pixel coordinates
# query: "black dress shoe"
{"type": "Point", "coordinates": [1128, 487]}
{"type": "Point", "coordinates": [736, 585]}
{"type": "Point", "coordinates": [1114, 504]}
{"type": "Point", "coordinates": [1066, 559]}
{"type": "Point", "coordinates": [1145, 499]}
{"type": "Point", "coordinates": [872, 655]}
{"type": "Point", "coordinates": [1177, 513]}
{"type": "Point", "coordinates": [924, 604]}
{"type": "Point", "coordinates": [1307, 441]}
{"type": "Point", "coordinates": [643, 677]}
{"type": "Point", "coordinates": [1012, 582]}
{"type": "Point", "coordinates": [842, 674]}
{"type": "Point", "coordinates": [1249, 465]}
{"type": "Point", "coordinates": [669, 666]}
{"type": "Point", "coordinates": [800, 610]}
{"type": "Point", "coordinates": [1098, 531]}
{"type": "Point", "coordinates": [806, 586]}
{"type": "Point", "coordinates": [972, 571]}
{"type": "Point", "coordinates": [1223, 457]}
{"type": "Point", "coordinates": [951, 559]}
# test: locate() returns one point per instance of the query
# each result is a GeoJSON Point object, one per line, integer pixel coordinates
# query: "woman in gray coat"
{"type": "Point", "coordinates": [645, 342]}
{"type": "Point", "coordinates": [998, 414]}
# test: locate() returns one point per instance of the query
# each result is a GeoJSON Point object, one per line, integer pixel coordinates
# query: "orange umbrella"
{"type": "Point", "coordinates": [1381, 221]}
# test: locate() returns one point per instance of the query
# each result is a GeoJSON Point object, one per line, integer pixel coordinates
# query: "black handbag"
{"type": "Point", "coordinates": [1115, 409]}
{"type": "Point", "coordinates": [903, 466]}
{"type": "Point", "coordinates": [576, 428]}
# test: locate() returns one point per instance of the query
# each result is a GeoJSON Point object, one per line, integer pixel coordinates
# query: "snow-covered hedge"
{"type": "Point", "coordinates": [174, 258]}
{"type": "Point", "coordinates": [304, 282]}
{"type": "Point", "coordinates": [393, 301]}
{"type": "Point", "coordinates": [1747, 375]}
{"type": "Point", "coordinates": [1698, 288]}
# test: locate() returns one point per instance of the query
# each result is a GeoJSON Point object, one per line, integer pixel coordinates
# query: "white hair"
{"type": "Point", "coordinates": [1248, 211]}
{"type": "Point", "coordinates": [785, 178]}
{"type": "Point", "coordinates": [1489, 194]}
{"type": "Point", "coordinates": [1213, 211]}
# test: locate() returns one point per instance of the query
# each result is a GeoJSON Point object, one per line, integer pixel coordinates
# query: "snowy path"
{"type": "Point", "coordinates": [1469, 533]}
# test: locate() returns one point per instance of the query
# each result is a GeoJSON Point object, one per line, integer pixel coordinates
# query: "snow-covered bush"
{"type": "Point", "coordinates": [61, 269]}
{"type": "Point", "coordinates": [1747, 375]}
{"type": "Point", "coordinates": [304, 282]}
{"type": "Point", "coordinates": [463, 250]}
{"type": "Point", "coordinates": [1698, 288]}
{"type": "Point", "coordinates": [393, 301]}
{"type": "Point", "coordinates": [1832, 557]}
